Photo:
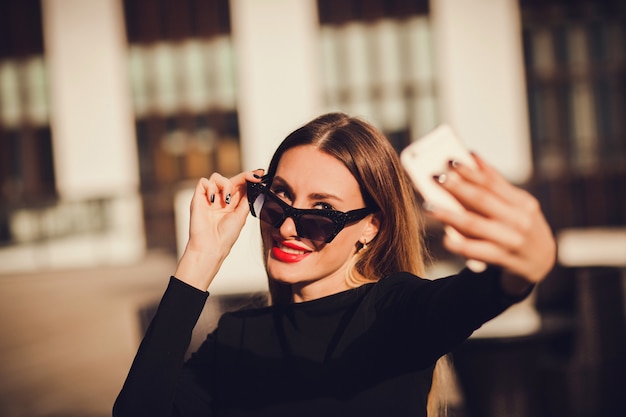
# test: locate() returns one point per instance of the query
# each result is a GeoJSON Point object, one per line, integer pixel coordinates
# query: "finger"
{"type": "Point", "coordinates": [480, 250]}
{"type": "Point", "coordinates": [201, 192]}
{"type": "Point", "coordinates": [238, 198]}
{"type": "Point", "coordinates": [478, 199]}
{"type": "Point", "coordinates": [252, 176]}
{"type": "Point", "coordinates": [493, 254]}
{"type": "Point", "coordinates": [477, 227]}
{"type": "Point", "coordinates": [503, 200]}
{"type": "Point", "coordinates": [221, 190]}
{"type": "Point", "coordinates": [258, 173]}
{"type": "Point", "coordinates": [242, 208]}
{"type": "Point", "coordinates": [487, 177]}
{"type": "Point", "coordinates": [240, 181]}
{"type": "Point", "coordinates": [528, 254]}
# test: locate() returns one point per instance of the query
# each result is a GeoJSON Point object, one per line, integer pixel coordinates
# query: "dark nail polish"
{"type": "Point", "coordinates": [441, 178]}
{"type": "Point", "coordinates": [212, 198]}
{"type": "Point", "coordinates": [227, 199]}
{"type": "Point", "coordinates": [258, 177]}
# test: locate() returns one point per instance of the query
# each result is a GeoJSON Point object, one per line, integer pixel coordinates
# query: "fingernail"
{"type": "Point", "coordinates": [441, 178]}
{"type": "Point", "coordinates": [227, 199]}
{"type": "Point", "coordinates": [257, 176]}
{"type": "Point", "coordinates": [212, 198]}
{"type": "Point", "coordinates": [428, 206]}
{"type": "Point", "coordinates": [453, 234]}
{"type": "Point", "coordinates": [453, 163]}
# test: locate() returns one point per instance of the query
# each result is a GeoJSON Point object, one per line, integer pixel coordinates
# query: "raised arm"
{"type": "Point", "coordinates": [156, 385]}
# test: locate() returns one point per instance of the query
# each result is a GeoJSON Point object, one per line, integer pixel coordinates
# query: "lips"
{"type": "Point", "coordinates": [288, 252]}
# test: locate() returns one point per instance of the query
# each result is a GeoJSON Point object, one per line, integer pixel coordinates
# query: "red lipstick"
{"type": "Point", "coordinates": [288, 252]}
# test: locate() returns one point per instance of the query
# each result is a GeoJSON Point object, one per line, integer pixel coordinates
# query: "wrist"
{"type": "Point", "coordinates": [515, 286]}
{"type": "Point", "coordinates": [198, 268]}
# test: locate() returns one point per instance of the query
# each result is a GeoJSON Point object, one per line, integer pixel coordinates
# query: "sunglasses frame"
{"type": "Point", "coordinates": [339, 218]}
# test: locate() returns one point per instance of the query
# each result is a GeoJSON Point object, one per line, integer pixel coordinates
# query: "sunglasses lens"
{"type": "Point", "coordinates": [271, 212]}
{"type": "Point", "coordinates": [315, 227]}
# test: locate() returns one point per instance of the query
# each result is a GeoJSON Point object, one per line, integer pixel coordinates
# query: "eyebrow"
{"type": "Point", "coordinates": [313, 196]}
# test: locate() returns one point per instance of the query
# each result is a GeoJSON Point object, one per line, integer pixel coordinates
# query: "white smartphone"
{"type": "Point", "coordinates": [429, 156]}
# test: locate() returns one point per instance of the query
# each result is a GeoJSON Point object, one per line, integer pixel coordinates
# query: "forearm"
{"type": "Point", "coordinates": [150, 386]}
{"type": "Point", "coordinates": [198, 268]}
{"type": "Point", "coordinates": [460, 304]}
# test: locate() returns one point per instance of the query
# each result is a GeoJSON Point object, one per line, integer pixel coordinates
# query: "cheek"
{"type": "Point", "coordinates": [266, 237]}
{"type": "Point", "coordinates": [343, 245]}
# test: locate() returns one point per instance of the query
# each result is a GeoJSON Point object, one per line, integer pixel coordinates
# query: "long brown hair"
{"type": "Point", "coordinates": [374, 163]}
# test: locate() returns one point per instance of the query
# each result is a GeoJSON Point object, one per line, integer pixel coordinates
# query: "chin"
{"type": "Point", "coordinates": [281, 277]}
{"type": "Point", "coordinates": [285, 277]}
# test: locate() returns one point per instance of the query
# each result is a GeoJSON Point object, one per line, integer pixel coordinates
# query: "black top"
{"type": "Point", "coordinates": [368, 351]}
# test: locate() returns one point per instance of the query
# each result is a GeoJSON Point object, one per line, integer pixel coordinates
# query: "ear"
{"type": "Point", "coordinates": [371, 228]}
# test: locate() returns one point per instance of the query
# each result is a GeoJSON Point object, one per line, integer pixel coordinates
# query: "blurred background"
{"type": "Point", "coordinates": [110, 110]}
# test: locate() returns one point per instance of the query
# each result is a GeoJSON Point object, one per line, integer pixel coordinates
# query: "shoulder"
{"type": "Point", "coordinates": [399, 289]}
{"type": "Point", "coordinates": [400, 282]}
{"type": "Point", "coordinates": [401, 279]}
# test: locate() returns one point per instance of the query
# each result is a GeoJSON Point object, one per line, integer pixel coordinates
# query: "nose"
{"type": "Point", "coordinates": [288, 228]}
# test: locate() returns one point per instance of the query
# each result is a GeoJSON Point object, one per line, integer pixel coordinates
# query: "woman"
{"type": "Point", "coordinates": [352, 330]}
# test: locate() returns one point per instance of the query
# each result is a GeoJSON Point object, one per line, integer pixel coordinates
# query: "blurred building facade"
{"type": "Point", "coordinates": [111, 109]}
{"type": "Point", "coordinates": [115, 106]}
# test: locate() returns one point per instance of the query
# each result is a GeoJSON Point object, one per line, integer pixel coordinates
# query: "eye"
{"type": "Point", "coordinates": [281, 192]}
{"type": "Point", "coordinates": [323, 206]}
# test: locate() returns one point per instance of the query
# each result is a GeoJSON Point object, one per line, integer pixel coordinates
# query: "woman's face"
{"type": "Point", "coordinates": [309, 179]}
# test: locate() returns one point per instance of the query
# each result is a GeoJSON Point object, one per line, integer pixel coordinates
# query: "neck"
{"type": "Point", "coordinates": [317, 289]}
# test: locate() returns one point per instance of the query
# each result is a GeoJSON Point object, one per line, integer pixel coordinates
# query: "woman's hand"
{"type": "Point", "coordinates": [503, 225]}
{"type": "Point", "coordinates": [218, 213]}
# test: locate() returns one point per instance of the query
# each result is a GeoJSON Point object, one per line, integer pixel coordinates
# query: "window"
{"type": "Point", "coordinates": [576, 77]}
{"type": "Point", "coordinates": [26, 163]}
{"type": "Point", "coordinates": [181, 72]}
{"type": "Point", "coordinates": [377, 63]}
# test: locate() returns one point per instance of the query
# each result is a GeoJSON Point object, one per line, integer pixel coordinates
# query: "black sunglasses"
{"type": "Point", "coordinates": [315, 224]}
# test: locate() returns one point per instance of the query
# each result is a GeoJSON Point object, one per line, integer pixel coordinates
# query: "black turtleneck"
{"type": "Point", "coordinates": [368, 351]}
